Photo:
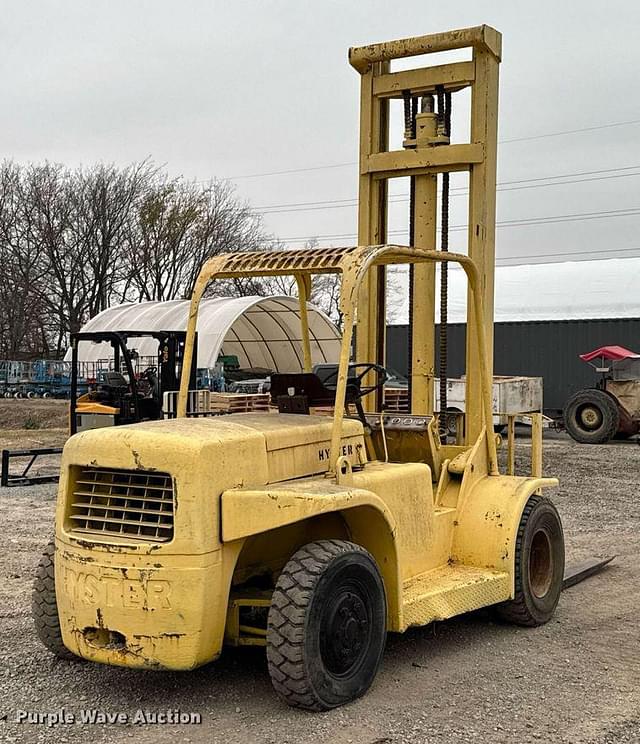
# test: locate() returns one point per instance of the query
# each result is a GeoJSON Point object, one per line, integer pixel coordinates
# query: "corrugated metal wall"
{"type": "Point", "coordinates": [547, 349]}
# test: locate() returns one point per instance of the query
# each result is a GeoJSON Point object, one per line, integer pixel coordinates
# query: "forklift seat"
{"type": "Point", "coordinates": [312, 388]}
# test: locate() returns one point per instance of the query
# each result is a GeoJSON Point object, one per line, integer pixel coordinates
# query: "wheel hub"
{"type": "Point", "coordinates": [346, 630]}
{"type": "Point", "coordinates": [451, 424]}
{"type": "Point", "coordinates": [590, 417]}
{"type": "Point", "coordinates": [540, 564]}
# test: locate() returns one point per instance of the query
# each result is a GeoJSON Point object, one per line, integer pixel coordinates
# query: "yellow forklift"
{"type": "Point", "coordinates": [314, 536]}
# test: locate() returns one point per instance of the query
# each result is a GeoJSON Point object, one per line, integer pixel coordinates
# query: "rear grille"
{"type": "Point", "coordinates": [128, 503]}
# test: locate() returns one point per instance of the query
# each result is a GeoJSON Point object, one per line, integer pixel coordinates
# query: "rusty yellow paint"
{"type": "Point", "coordinates": [511, 445]}
{"type": "Point", "coordinates": [482, 223]}
{"type": "Point", "coordinates": [536, 444]}
{"type": "Point", "coordinates": [250, 489]}
{"type": "Point", "coordinates": [303, 283]}
{"type": "Point", "coordinates": [452, 77]}
{"type": "Point", "coordinates": [372, 225]}
{"type": "Point", "coordinates": [435, 160]}
{"type": "Point", "coordinates": [479, 38]}
{"type": "Point", "coordinates": [424, 276]}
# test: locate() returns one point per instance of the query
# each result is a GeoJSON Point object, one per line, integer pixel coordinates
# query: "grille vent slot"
{"type": "Point", "coordinates": [126, 503]}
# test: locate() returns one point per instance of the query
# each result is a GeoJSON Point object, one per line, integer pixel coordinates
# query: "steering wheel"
{"type": "Point", "coordinates": [150, 383]}
{"type": "Point", "coordinates": [354, 378]}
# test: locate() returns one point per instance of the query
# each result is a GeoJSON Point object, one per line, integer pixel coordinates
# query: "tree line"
{"type": "Point", "coordinates": [76, 241]}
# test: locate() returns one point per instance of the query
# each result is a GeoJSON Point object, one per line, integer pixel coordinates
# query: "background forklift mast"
{"type": "Point", "coordinates": [120, 395]}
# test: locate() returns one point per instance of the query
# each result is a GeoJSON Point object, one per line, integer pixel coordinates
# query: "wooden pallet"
{"type": "Point", "coordinates": [396, 399]}
{"type": "Point", "coordinates": [239, 402]}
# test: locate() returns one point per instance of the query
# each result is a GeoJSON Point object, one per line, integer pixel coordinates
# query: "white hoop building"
{"type": "Point", "coordinates": [260, 331]}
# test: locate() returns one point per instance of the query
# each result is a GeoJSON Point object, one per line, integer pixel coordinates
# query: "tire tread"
{"type": "Point", "coordinates": [516, 610]}
{"type": "Point", "coordinates": [611, 417]}
{"type": "Point", "coordinates": [44, 606]}
{"type": "Point", "coordinates": [285, 629]}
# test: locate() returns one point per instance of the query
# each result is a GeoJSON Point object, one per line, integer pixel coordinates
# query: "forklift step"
{"type": "Point", "coordinates": [451, 590]}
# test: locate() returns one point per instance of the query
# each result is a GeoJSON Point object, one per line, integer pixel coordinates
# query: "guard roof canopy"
{"type": "Point", "coordinates": [613, 353]}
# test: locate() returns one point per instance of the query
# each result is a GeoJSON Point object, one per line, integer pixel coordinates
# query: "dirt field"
{"type": "Point", "coordinates": [31, 424]}
{"type": "Point", "coordinates": [32, 415]}
{"type": "Point", "coordinates": [466, 680]}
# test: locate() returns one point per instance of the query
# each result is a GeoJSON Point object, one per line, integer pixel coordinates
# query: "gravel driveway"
{"type": "Point", "coordinates": [574, 680]}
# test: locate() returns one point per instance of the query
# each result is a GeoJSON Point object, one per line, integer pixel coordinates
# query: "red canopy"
{"type": "Point", "coordinates": [614, 353]}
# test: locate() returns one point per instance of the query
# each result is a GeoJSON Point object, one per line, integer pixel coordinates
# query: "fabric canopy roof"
{"type": "Point", "coordinates": [260, 331]}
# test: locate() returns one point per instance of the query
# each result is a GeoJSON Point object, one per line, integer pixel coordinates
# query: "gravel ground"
{"type": "Point", "coordinates": [575, 680]}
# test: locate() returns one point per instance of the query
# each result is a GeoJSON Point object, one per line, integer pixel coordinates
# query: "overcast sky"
{"type": "Point", "coordinates": [233, 89]}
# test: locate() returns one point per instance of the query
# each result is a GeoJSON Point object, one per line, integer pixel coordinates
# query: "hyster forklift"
{"type": "Point", "coordinates": [309, 535]}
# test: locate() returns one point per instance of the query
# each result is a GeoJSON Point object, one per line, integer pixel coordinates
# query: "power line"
{"type": "Point", "coordinates": [502, 142]}
{"type": "Point", "coordinates": [545, 220]}
{"type": "Point", "coordinates": [292, 170]}
{"type": "Point", "coordinates": [530, 183]}
{"type": "Point", "coordinates": [561, 254]}
{"type": "Point", "coordinates": [571, 131]}
{"type": "Point", "coordinates": [567, 175]}
{"type": "Point", "coordinates": [405, 199]}
{"type": "Point", "coordinates": [635, 249]}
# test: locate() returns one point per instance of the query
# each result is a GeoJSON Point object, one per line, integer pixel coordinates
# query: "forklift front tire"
{"type": "Point", "coordinates": [327, 625]}
{"type": "Point", "coordinates": [44, 606]}
{"type": "Point", "coordinates": [539, 565]}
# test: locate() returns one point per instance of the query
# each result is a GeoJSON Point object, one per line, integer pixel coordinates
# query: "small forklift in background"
{"type": "Point", "coordinates": [121, 390]}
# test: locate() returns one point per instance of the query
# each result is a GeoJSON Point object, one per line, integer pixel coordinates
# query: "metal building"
{"type": "Point", "coordinates": [546, 314]}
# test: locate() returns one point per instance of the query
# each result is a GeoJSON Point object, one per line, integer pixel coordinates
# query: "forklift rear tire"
{"type": "Point", "coordinates": [44, 607]}
{"type": "Point", "coordinates": [591, 417]}
{"type": "Point", "coordinates": [539, 565]}
{"type": "Point", "coordinates": [327, 625]}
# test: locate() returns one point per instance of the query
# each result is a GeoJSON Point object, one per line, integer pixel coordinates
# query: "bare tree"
{"type": "Point", "coordinates": [105, 198]}
{"type": "Point", "coordinates": [49, 190]}
{"type": "Point", "coordinates": [21, 300]}
{"type": "Point", "coordinates": [73, 242]}
{"type": "Point", "coordinates": [177, 228]}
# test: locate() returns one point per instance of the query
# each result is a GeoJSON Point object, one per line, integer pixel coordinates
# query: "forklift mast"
{"type": "Point", "coordinates": [427, 152]}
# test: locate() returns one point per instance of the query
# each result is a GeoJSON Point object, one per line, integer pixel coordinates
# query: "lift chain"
{"type": "Point", "coordinates": [444, 116]}
{"type": "Point", "coordinates": [410, 114]}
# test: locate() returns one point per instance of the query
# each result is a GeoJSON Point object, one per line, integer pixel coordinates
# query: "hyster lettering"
{"type": "Point", "coordinates": [346, 450]}
{"type": "Point", "coordinates": [111, 591]}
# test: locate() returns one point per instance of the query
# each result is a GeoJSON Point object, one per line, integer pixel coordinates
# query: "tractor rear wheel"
{"type": "Point", "coordinates": [44, 607]}
{"type": "Point", "coordinates": [591, 417]}
{"type": "Point", "coordinates": [327, 625]}
{"type": "Point", "coordinates": [539, 565]}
